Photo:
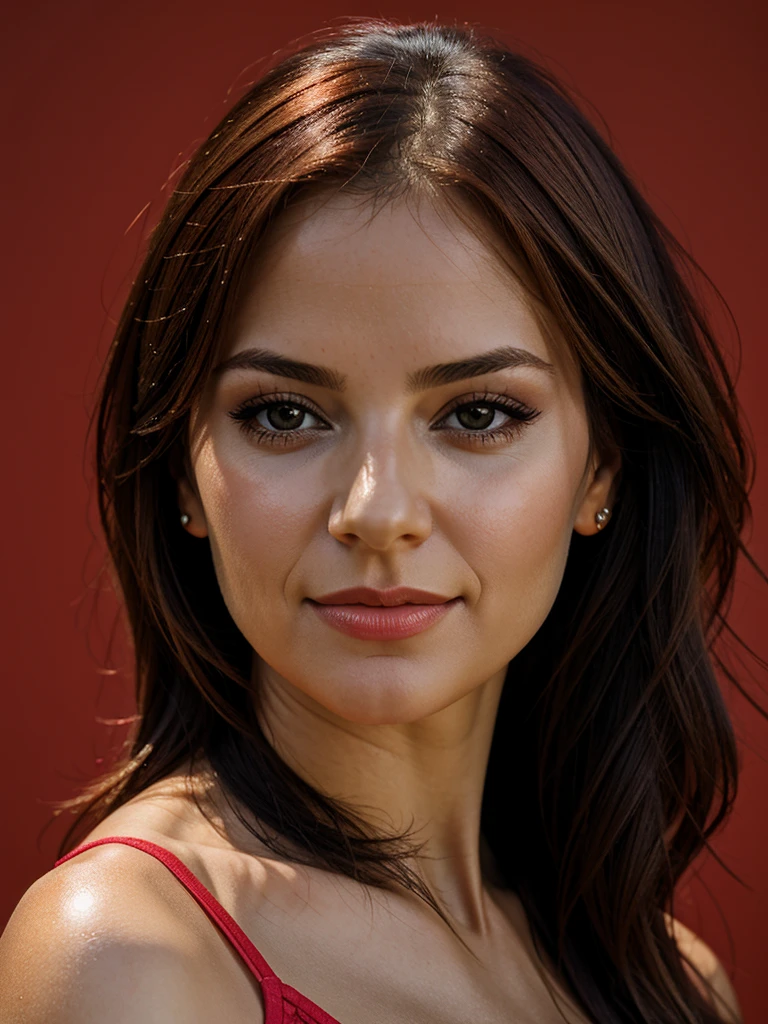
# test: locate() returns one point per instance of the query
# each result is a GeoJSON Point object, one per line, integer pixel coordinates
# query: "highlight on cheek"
{"type": "Point", "coordinates": [482, 417]}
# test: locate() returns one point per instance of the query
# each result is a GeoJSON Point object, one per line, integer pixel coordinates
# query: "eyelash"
{"type": "Point", "coordinates": [521, 415]}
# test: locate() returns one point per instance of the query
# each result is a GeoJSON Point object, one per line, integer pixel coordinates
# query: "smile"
{"type": "Point", "coordinates": [366, 622]}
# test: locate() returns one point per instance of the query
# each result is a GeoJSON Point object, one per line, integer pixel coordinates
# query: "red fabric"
{"type": "Point", "coordinates": [283, 1004]}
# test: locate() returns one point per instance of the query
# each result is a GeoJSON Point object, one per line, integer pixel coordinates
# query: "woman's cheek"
{"type": "Point", "coordinates": [519, 549]}
{"type": "Point", "coordinates": [257, 528]}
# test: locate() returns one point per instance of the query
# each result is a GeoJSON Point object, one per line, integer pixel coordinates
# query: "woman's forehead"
{"type": "Point", "coordinates": [345, 242]}
{"type": "Point", "coordinates": [337, 273]}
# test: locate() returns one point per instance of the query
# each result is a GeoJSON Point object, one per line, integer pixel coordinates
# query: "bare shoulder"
{"type": "Point", "coordinates": [704, 959]}
{"type": "Point", "coordinates": [112, 934]}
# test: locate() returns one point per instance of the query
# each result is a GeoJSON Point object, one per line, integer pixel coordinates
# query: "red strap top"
{"type": "Point", "coordinates": [283, 1004]}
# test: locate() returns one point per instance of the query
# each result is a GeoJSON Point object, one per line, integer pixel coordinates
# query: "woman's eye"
{"type": "Point", "coordinates": [283, 416]}
{"type": "Point", "coordinates": [275, 421]}
{"type": "Point", "coordinates": [479, 419]}
{"type": "Point", "coordinates": [479, 416]}
{"type": "Point", "coordinates": [487, 420]}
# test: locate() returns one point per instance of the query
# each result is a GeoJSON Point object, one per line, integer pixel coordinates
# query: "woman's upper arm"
{"type": "Point", "coordinates": [85, 947]}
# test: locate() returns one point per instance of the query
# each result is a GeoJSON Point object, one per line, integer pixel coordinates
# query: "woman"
{"type": "Point", "coordinates": [423, 480]}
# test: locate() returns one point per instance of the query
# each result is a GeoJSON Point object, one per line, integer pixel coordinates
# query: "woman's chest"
{"type": "Point", "coordinates": [424, 993]}
{"type": "Point", "coordinates": [385, 961]}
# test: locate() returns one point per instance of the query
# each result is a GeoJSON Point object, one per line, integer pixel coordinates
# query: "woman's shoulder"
{"type": "Point", "coordinates": [110, 932]}
{"type": "Point", "coordinates": [93, 938]}
{"type": "Point", "coordinates": [706, 962]}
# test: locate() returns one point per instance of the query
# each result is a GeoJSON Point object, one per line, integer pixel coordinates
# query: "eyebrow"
{"type": "Point", "coordinates": [506, 357]}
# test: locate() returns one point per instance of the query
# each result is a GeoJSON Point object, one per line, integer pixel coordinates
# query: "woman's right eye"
{"type": "Point", "coordinates": [283, 416]}
{"type": "Point", "coordinates": [275, 421]}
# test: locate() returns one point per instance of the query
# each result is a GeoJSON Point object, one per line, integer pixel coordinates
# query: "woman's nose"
{"type": "Point", "coordinates": [385, 502]}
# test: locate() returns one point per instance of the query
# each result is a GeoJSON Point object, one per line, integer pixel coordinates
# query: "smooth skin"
{"type": "Point", "coordinates": [379, 481]}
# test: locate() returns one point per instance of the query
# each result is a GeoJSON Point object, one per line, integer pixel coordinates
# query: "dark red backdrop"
{"type": "Point", "coordinates": [100, 103]}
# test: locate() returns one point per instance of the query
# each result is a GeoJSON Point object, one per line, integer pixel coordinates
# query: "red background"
{"type": "Point", "coordinates": [100, 103]}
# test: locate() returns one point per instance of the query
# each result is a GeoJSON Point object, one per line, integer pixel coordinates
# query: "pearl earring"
{"type": "Point", "coordinates": [184, 519]}
{"type": "Point", "coordinates": [601, 517]}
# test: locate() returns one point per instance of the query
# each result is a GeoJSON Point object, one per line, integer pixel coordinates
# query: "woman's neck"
{"type": "Point", "coordinates": [424, 777]}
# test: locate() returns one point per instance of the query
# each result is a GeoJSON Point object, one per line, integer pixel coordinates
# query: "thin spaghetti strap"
{"type": "Point", "coordinates": [270, 983]}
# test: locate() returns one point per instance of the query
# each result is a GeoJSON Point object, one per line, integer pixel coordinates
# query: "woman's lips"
{"type": "Point", "coordinates": [371, 622]}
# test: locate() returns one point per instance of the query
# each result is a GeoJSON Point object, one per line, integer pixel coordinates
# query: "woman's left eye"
{"type": "Point", "coordinates": [476, 417]}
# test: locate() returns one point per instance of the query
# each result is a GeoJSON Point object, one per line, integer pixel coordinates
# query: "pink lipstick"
{"type": "Point", "coordinates": [395, 614]}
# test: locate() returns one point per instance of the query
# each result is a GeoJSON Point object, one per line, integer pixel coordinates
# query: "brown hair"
{"type": "Point", "coordinates": [613, 753]}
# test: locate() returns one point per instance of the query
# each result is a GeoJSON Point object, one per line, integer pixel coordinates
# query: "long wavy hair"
{"type": "Point", "coordinates": [613, 754]}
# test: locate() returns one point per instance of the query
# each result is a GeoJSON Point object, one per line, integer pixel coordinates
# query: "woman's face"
{"type": "Point", "coordinates": [377, 471]}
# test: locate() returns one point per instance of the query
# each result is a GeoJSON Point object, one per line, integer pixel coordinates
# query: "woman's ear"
{"type": "Point", "coordinates": [600, 494]}
{"type": "Point", "coordinates": [191, 512]}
